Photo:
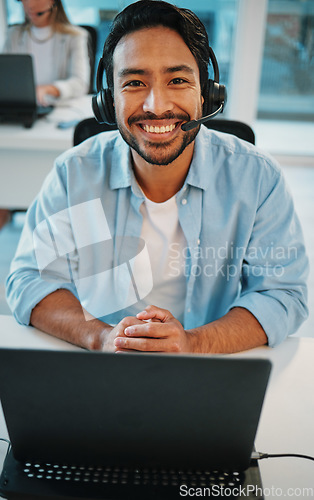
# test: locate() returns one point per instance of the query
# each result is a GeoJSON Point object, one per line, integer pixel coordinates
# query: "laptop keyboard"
{"type": "Point", "coordinates": [132, 476]}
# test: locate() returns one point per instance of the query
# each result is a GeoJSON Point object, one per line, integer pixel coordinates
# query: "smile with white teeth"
{"type": "Point", "coordinates": [158, 130]}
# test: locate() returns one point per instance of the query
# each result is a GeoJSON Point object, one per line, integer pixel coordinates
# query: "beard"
{"type": "Point", "coordinates": [158, 153]}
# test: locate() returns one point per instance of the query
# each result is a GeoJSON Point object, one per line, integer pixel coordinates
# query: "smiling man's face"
{"type": "Point", "coordinates": [156, 89]}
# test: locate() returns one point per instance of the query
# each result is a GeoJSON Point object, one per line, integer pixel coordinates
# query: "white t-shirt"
{"type": "Point", "coordinates": [42, 52]}
{"type": "Point", "coordinates": [163, 236]}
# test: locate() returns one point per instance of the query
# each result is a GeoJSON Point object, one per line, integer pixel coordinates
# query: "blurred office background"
{"type": "Point", "coordinates": [265, 51]}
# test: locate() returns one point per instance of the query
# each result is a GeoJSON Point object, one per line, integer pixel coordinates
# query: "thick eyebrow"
{"type": "Point", "coordinates": [182, 67]}
{"type": "Point", "coordinates": [131, 71]}
{"type": "Point", "coordinates": [173, 69]}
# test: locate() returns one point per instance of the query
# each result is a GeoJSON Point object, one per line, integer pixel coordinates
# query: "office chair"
{"type": "Point", "coordinates": [92, 47]}
{"type": "Point", "coordinates": [89, 127]}
{"type": "Point", "coordinates": [239, 129]}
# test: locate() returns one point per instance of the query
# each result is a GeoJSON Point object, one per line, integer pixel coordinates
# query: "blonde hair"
{"type": "Point", "coordinates": [58, 20]}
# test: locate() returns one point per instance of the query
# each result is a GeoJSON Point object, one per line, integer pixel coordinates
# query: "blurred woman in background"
{"type": "Point", "coordinates": [60, 55]}
{"type": "Point", "coordinates": [59, 50]}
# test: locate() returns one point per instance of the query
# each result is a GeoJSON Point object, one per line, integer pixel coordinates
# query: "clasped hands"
{"type": "Point", "coordinates": [152, 330]}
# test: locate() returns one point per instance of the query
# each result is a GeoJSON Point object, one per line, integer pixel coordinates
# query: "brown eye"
{"type": "Point", "coordinates": [134, 83]}
{"type": "Point", "coordinates": [178, 81]}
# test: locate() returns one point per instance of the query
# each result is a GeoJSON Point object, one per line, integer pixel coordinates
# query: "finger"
{"type": "Point", "coordinates": [153, 312]}
{"type": "Point", "coordinates": [152, 329]}
{"type": "Point", "coordinates": [119, 351]}
{"type": "Point", "coordinates": [140, 344]}
{"type": "Point", "coordinates": [39, 99]}
{"type": "Point", "coordinates": [127, 321]}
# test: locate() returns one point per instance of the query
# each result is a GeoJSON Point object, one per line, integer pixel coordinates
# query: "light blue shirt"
{"type": "Point", "coordinates": [244, 241]}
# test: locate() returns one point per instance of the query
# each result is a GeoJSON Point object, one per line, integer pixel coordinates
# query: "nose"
{"type": "Point", "coordinates": [157, 101]}
{"type": "Point", "coordinates": [29, 4]}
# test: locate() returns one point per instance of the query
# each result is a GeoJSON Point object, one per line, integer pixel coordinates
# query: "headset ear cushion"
{"type": "Point", "coordinates": [214, 95]}
{"type": "Point", "coordinates": [207, 94]}
{"type": "Point", "coordinates": [109, 107]}
{"type": "Point", "coordinates": [103, 108]}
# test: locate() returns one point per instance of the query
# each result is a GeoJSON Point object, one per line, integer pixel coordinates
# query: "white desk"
{"type": "Point", "coordinates": [27, 155]}
{"type": "Point", "coordinates": [286, 423]}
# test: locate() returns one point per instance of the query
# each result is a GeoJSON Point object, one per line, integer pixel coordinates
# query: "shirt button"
{"type": "Point", "coordinates": [184, 201]}
{"type": "Point", "coordinates": [198, 241]}
{"type": "Point", "coordinates": [188, 310]}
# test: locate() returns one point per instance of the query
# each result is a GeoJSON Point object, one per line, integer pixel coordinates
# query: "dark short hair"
{"type": "Point", "coordinates": [151, 13]}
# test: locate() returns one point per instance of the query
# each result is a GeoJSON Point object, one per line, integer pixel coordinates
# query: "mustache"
{"type": "Point", "coordinates": [151, 116]}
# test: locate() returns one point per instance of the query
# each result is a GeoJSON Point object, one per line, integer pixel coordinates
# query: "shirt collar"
{"type": "Point", "coordinates": [121, 171]}
{"type": "Point", "coordinates": [199, 171]}
{"type": "Point", "coordinates": [122, 175]}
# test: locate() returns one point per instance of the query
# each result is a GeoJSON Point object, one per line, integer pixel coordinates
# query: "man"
{"type": "Point", "coordinates": [166, 240]}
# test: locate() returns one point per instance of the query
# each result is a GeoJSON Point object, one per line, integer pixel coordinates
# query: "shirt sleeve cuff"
{"type": "Point", "coordinates": [269, 312]}
{"type": "Point", "coordinates": [23, 313]}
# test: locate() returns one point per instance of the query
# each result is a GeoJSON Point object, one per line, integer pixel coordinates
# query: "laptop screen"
{"type": "Point", "coordinates": [17, 86]}
{"type": "Point", "coordinates": [132, 409]}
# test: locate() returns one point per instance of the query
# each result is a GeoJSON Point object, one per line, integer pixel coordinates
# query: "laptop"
{"type": "Point", "coordinates": [17, 90]}
{"type": "Point", "coordinates": [129, 426]}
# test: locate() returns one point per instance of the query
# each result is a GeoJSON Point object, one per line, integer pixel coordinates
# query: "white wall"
{"type": "Point", "coordinates": [2, 22]}
{"type": "Point", "coordinates": [248, 55]}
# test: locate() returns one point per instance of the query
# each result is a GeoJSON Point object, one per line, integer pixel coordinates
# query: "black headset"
{"type": "Point", "coordinates": [214, 94]}
{"type": "Point", "coordinates": [102, 102]}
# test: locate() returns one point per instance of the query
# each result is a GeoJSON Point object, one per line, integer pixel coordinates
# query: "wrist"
{"type": "Point", "coordinates": [192, 341]}
{"type": "Point", "coordinates": [98, 337]}
{"type": "Point", "coordinates": [201, 339]}
{"type": "Point", "coordinates": [52, 90]}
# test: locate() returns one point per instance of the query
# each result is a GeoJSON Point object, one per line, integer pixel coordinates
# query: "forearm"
{"type": "Point", "coordinates": [237, 331]}
{"type": "Point", "coordinates": [60, 314]}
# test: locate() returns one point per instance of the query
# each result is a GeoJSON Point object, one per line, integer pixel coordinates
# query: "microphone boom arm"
{"type": "Point", "coordinates": [194, 123]}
